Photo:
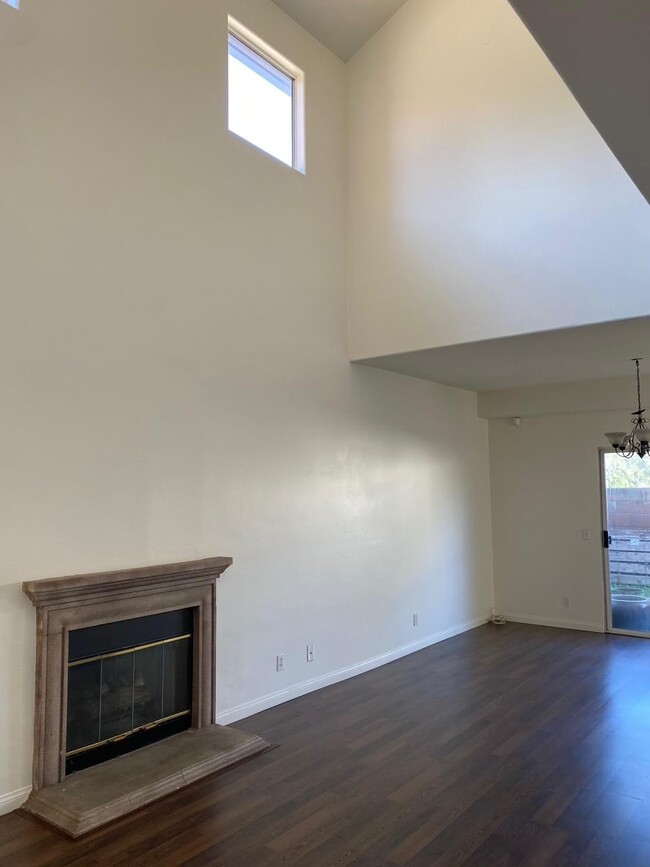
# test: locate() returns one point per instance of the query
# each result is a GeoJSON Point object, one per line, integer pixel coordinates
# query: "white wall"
{"type": "Point", "coordinates": [483, 203]}
{"type": "Point", "coordinates": [545, 490]}
{"type": "Point", "coordinates": [174, 370]}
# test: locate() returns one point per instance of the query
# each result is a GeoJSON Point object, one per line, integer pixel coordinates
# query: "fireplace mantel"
{"type": "Point", "coordinates": [89, 798]}
{"type": "Point", "coordinates": [79, 601]}
{"type": "Point", "coordinates": [123, 583]}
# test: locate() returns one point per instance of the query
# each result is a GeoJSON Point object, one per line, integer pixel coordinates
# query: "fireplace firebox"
{"type": "Point", "coordinates": [129, 685]}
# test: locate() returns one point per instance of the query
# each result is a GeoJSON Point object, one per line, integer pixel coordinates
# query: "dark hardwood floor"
{"type": "Point", "coordinates": [514, 745]}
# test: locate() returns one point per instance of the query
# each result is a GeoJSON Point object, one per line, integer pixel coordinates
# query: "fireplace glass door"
{"type": "Point", "coordinates": [121, 699]}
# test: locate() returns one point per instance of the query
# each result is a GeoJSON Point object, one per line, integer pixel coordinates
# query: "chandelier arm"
{"type": "Point", "coordinates": [626, 452]}
{"type": "Point", "coordinates": [637, 442]}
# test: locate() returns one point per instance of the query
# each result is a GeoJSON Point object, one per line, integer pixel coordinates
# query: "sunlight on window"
{"type": "Point", "coordinates": [14, 3]}
{"type": "Point", "coordinates": [260, 101]}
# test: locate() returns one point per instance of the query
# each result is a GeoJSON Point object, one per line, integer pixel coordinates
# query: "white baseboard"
{"type": "Point", "coordinates": [265, 702]}
{"type": "Point", "coordinates": [582, 625]}
{"type": "Point", "coordinates": [13, 800]}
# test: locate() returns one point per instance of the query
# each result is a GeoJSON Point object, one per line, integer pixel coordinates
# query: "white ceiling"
{"type": "Point", "coordinates": [601, 49]}
{"type": "Point", "coordinates": [342, 25]}
{"type": "Point", "coordinates": [544, 358]}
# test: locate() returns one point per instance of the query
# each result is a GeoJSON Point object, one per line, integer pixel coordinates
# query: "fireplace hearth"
{"type": "Point", "coordinates": [125, 691]}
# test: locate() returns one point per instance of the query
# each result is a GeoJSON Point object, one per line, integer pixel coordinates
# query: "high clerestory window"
{"type": "Point", "coordinates": [265, 97]}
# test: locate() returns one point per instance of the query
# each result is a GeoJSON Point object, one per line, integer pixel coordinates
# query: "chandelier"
{"type": "Point", "coordinates": [637, 442]}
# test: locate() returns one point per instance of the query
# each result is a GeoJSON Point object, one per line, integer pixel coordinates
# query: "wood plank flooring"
{"type": "Point", "coordinates": [514, 745]}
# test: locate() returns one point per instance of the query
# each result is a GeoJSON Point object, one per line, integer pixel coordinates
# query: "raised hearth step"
{"type": "Point", "coordinates": [91, 798]}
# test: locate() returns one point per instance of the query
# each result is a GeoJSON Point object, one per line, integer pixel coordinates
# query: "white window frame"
{"type": "Point", "coordinates": [285, 66]}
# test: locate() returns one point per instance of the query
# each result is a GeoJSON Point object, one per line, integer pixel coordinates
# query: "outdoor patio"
{"type": "Point", "coordinates": [629, 563]}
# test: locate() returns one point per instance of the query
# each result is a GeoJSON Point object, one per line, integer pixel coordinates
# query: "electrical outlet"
{"type": "Point", "coordinates": [310, 653]}
{"type": "Point", "coordinates": [279, 662]}
{"type": "Point", "coordinates": [415, 620]}
{"type": "Point", "coordinates": [586, 535]}
{"type": "Point", "coordinates": [566, 601]}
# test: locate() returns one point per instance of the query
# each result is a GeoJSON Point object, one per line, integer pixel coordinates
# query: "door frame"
{"type": "Point", "coordinates": [602, 451]}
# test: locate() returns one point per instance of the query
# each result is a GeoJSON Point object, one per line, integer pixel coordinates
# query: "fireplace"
{"type": "Point", "coordinates": [125, 691]}
{"type": "Point", "coordinates": [129, 685]}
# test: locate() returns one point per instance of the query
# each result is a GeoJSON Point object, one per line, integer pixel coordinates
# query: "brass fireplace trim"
{"type": "Point", "coordinates": [124, 735]}
{"type": "Point", "coordinates": [80, 601]}
{"type": "Point", "coordinates": [133, 649]}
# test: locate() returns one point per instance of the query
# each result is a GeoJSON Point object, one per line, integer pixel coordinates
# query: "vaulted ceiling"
{"type": "Point", "coordinates": [601, 48]}
{"type": "Point", "coordinates": [342, 25]}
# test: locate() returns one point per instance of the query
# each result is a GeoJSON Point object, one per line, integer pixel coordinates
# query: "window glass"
{"type": "Point", "coordinates": [260, 101]}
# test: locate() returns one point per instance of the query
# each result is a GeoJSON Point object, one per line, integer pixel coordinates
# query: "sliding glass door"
{"type": "Point", "coordinates": [626, 540]}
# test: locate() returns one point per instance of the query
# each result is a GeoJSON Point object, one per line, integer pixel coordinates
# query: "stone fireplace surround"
{"type": "Point", "coordinates": [82, 802]}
